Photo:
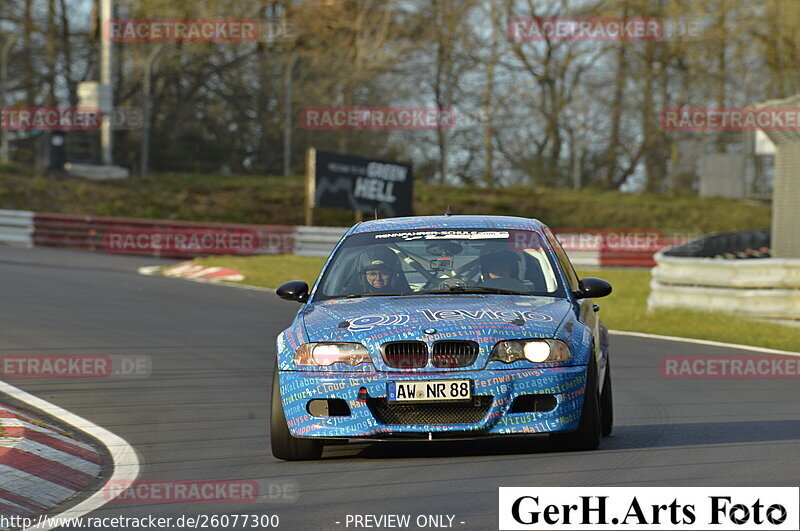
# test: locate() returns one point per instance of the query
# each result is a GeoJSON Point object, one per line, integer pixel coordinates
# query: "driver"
{"type": "Point", "coordinates": [380, 273]}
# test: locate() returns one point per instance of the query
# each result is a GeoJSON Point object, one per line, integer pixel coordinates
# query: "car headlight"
{"type": "Point", "coordinates": [533, 350]}
{"type": "Point", "coordinates": [326, 354]}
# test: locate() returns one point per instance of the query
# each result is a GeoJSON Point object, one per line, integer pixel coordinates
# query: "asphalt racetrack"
{"type": "Point", "coordinates": [204, 411]}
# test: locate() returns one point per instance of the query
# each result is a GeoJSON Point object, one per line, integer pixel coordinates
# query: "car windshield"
{"type": "Point", "coordinates": [440, 261]}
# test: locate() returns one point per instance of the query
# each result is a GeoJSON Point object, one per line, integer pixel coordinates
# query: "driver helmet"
{"type": "Point", "coordinates": [375, 260]}
{"type": "Point", "coordinates": [502, 264]}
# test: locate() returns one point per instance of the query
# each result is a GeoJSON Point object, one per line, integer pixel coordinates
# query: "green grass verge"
{"type": "Point", "coordinates": [278, 200]}
{"type": "Point", "coordinates": [625, 309]}
{"type": "Point", "coordinates": [268, 271]}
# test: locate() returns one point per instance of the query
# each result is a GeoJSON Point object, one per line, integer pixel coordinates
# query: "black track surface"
{"type": "Point", "coordinates": [203, 414]}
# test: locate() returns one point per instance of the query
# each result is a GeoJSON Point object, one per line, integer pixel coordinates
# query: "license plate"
{"type": "Point", "coordinates": [429, 390]}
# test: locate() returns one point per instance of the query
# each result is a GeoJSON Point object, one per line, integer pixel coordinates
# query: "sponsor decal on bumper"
{"type": "Point", "coordinates": [494, 390]}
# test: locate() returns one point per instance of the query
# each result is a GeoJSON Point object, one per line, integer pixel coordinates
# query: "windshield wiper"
{"type": "Point", "coordinates": [359, 295]}
{"type": "Point", "coordinates": [474, 289]}
{"type": "Point", "coordinates": [452, 289]}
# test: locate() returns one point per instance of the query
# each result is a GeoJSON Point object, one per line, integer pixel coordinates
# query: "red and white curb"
{"type": "Point", "coordinates": [191, 271]}
{"type": "Point", "coordinates": [40, 465]}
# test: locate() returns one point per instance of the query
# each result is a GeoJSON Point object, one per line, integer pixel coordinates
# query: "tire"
{"type": "Point", "coordinates": [589, 432]}
{"type": "Point", "coordinates": [607, 403]}
{"type": "Point", "coordinates": [284, 445]}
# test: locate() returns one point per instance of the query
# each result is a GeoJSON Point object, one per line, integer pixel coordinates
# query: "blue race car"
{"type": "Point", "coordinates": [442, 327]}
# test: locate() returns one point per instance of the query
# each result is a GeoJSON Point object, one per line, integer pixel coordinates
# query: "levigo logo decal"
{"type": "Point", "coordinates": [477, 315]}
{"type": "Point", "coordinates": [368, 322]}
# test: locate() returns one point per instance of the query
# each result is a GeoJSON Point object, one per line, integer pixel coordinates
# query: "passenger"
{"type": "Point", "coordinates": [500, 270]}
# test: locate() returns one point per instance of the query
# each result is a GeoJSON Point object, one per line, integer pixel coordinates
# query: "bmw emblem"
{"type": "Point", "coordinates": [429, 331]}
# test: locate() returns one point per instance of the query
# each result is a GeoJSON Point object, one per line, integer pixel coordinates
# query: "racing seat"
{"type": "Point", "coordinates": [533, 273]}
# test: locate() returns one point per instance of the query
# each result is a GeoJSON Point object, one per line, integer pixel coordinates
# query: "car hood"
{"type": "Point", "coordinates": [484, 318]}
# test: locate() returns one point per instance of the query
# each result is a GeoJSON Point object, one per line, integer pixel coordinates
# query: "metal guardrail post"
{"type": "Point", "coordinates": [311, 171]}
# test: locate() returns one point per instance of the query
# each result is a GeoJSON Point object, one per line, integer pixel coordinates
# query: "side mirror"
{"type": "Point", "coordinates": [294, 290]}
{"type": "Point", "coordinates": [592, 288]}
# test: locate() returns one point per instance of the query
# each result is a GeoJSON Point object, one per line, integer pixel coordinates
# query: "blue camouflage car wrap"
{"type": "Point", "coordinates": [484, 318]}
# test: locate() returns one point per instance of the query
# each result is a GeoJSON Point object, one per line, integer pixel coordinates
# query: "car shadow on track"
{"type": "Point", "coordinates": [436, 449]}
{"type": "Point", "coordinates": [702, 433]}
{"type": "Point", "coordinates": [624, 438]}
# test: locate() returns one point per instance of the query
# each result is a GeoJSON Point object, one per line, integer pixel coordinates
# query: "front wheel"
{"type": "Point", "coordinates": [589, 432]}
{"type": "Point", "coordinates": [284, 445]}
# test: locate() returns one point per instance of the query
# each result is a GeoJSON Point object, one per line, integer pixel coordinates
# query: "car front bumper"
{"type": "Point", "coordinates": [494, 410]}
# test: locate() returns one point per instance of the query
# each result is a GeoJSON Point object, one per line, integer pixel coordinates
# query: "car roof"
{"type": "Point", "coordinates": [447, 222]}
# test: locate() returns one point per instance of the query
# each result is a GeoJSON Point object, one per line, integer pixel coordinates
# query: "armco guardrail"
{"type": "Point", "coordinates": [16, 227]}
{"type": "Point", "coordinates": [317, 241]}
{"type": "Point", "coordinates": [183, 239]}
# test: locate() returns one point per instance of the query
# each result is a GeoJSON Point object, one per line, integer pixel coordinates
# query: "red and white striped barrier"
{"type": "Point", "coordinates": [40, 465]}
{"type": "Point", "coordinates": [615, 247]}
{"type": "Point", "coordinates": [173, 239]}
{"type": "Point", "coordinates": [183, 239]}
